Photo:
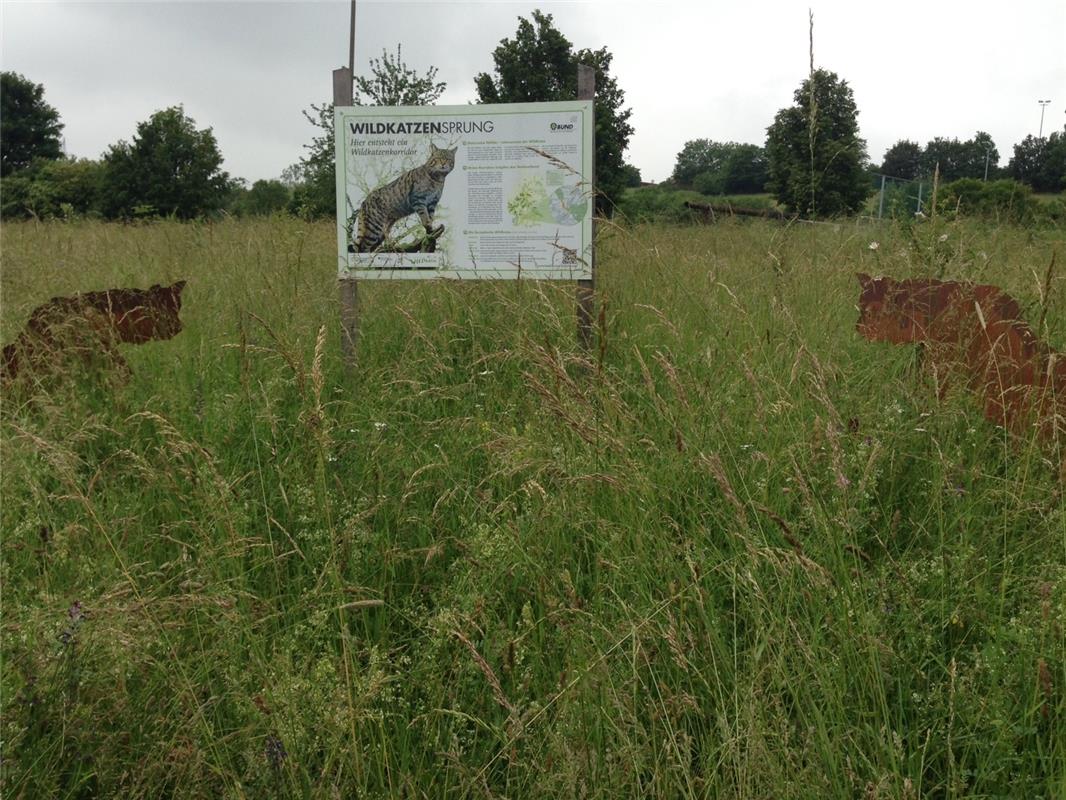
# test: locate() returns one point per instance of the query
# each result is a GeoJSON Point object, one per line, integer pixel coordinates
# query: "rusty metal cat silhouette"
{"type": "Point", "coordinates": [975, 331]}
{"type": "Point", "coordinates": [91, 325]}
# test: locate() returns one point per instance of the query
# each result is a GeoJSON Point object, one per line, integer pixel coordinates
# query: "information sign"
{"type": "Point", "coordinates": [477, 191]}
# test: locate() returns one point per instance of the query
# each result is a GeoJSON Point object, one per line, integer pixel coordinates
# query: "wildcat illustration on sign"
{"type": "Point", "coordinates": [417, 191]}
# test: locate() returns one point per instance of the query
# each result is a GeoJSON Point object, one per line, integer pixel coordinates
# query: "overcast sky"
{"type": "Point", "coordinates": [718, 70]}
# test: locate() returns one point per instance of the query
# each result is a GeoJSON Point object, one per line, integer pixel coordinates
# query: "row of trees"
{"type": "Point", "coordinates": [722, 167]}
{"type": "Point", "coordinates": [1039, 162]}
{"type": "Point", "coordinates": [973, 158]}
{"type": "Point", "coordinates": [816, 164]}
{"type": "Point", "coordinates": [170, 167]}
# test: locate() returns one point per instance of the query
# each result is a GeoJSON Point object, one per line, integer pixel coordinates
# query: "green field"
{"type": "Point", "coordinates": [734, 552]}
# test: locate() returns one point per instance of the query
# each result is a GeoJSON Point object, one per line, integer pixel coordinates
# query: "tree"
{"type": "Point", "coordinates": [721, 167]}
{"type": "Point", "coordinates": [540, 65]}
{"type": "Point", "coordinates": [746, 170]}
{"type": "Point", "coordinates": [316, 193]}
{"type": "Point", "coordinates": [816, 156]}
{"type": "Point", "coordinates": [1041, 162]}
{"type": "Point", "coordinates": [170, 168]}
{"type": "Point", "coordinates": [958, 160]}
{"type": "Point", "coordinates": [29, 127]}
{"type": "Point", "coordinates": [264, 198]}
{"type": "Point", "coordinates": [903, 160]}
{"type": "Point", "coordinates": [632, 176]}
{"type": "Point", "coordinates": [945, 155]}
{"type": "Point", "coordinates": [61, 188]}
{"type": "Point", "coordinates": [697, 157]}
{"type": "Point", "coordinates": [391, 82]}
{"type": "Point", "coordinates": [979, 155]}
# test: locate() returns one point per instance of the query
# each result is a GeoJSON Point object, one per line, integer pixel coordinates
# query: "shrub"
{"type": "Point", "coordinates": [656, 204]}
{"type": "Point", "coordinates": [1004, 200]}
{"type": "Point", "coordinates": [47, 189]}
{"type": "Point", "coordinates": [709, 183]}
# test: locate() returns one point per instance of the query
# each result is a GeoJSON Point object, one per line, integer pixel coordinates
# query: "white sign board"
{"type": "Point", "coordinates": [487, 191]}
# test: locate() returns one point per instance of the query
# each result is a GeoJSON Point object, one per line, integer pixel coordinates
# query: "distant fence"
{"type": "Point", "coordinates": [899, 197]}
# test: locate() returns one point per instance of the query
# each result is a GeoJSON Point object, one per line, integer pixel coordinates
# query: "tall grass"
{"type": "Point", "coordinates": [735, 551]}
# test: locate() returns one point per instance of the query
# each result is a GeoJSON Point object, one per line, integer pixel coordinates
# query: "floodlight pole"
{"type": "Point", "coordinates": [586, 287]}
{"type": "Point", "coordinates": [1043, 104]}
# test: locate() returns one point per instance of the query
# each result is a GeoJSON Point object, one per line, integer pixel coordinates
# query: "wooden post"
{"type": "Point", "coordinates": [348, 290]}
{"type": "Point", "coordinates": [586, 287]}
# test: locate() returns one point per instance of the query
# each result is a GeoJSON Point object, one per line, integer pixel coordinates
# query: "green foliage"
{"type": "Point", "coordinates": [709, 183]}
{"type": "Point", "coordinates": [1041, 162]}
{"type": "Point", "coordinates": [816, 156]}
{"type": "Point", "coordinates": [393, 83]}
{"type": "Point", "coordinates": [315, 193]}
{"type": "Point", "coordinates": [29, 127]}
{"type": "Point", "coordinates": [747, 170]}
{"type": "Point", "coordinates": [264, 198]}
{"type": "Point", "coordinates": [170, 168]}
{"type": "Point", "coordinates": [665, 203]}
{"type": "Point", "coordinates": [735, 552]}
{"type": "Point", "coordinates": [903, 160]}
{"type": "Point", "coordinates": [540, 65]}
{"type": "Point", "coordinates": [1003, 200]}
{"type": "Point", "coordinates": [656, 204]}
{"type": "Point", "coordinates": [961, 159]}
{"type": "Point", "coordinates": [47, 189]}
{"type": "Point", "coordinates": [632, 175]}
{"type": "Point", "coordinates": [713, 167]}
{"type": "Point", "coordinates": [901, 199]}
{"type": "Point", "coordinates": [697, 157]}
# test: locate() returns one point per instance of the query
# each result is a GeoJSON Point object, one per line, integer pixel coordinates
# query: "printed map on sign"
{"type": "Point", "coordinates": [492, 191]}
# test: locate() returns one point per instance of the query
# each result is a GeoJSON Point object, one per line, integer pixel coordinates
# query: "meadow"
{"type": "Point", "coordinates": [736, 551]}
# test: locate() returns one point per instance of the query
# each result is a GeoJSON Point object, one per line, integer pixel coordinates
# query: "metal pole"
{"type": "Point", "coordinates": [346, 287]}
{"type": "Point", "coordinates": [1043, 105]}
{"type": "Point", "coordinates": [351, 44]}
{"type": "Point", "coordinates": [988, 152]}
{"type": "Point", "coordinates": [586, 288]}
{"type": "Point", "coordinates": [881, 203]}
{"type": "Point", "coordinates": [919, 209]}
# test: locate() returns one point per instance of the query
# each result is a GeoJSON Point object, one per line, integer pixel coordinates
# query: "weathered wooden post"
{"type": "Point", "coordinates": [349, 291]}
{"type": "Point", "coordinates": [586, 287]}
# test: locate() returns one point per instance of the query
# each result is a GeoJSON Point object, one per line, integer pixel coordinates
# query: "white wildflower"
{"type": "Point", "coordinates": [874, 245]}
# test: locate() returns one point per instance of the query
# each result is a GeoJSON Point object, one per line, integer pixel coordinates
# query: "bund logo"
{"type": "Point", "coordinates": [562, 126]}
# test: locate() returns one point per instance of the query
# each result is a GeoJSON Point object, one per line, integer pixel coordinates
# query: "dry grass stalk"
{"type": "Point", "coordinates": [514, 720]}
{"type": "Point", "coordinates": [283, 349]}
{"type": "Point", "coordinates": [672, 376]}
{"type": "Point", "coordinates": [713, 462]}
{"type": "Point", "coordinates": [359, 604]}
{"type": "Point", "coordinates": [786, 530]}
{"type": "Point", "coordinates": [1045, 292]}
